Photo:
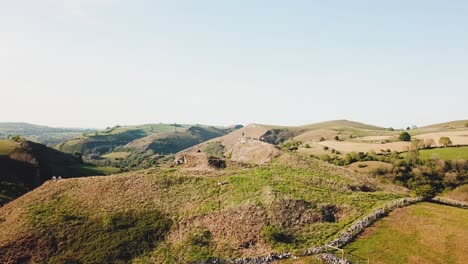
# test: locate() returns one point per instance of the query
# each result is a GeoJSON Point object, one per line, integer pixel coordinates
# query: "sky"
{"type": "Point", "coordinates": [99, 63]}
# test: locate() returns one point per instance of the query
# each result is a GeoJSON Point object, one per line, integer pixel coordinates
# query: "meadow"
{"type": "Point", "coordinates": [420, 233]}
{"type": "Point", "coordinates": [450, 153]}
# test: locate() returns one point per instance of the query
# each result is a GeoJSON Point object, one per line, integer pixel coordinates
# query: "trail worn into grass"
{"type": "Point", "coordinates": [421, 233]}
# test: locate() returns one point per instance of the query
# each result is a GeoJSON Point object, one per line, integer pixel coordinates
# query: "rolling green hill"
{"type": "Point", "coordinates": [160, 138]}
{"type": "Point", "coordinates": [40, 134]}
{"type": "Point", "coordinates": [177, 215]}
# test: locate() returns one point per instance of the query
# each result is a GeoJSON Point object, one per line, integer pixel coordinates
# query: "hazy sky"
{"type": "Point", "coordinates": [98, 63]}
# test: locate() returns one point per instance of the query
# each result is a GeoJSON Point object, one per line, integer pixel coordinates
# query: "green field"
{"type": "Point", "coordinates": [6, 146]}
{"type": "Point", "coordinates": [445, 153]}
{"type": "Point", "coordinates": [421, 233]}
{"type": "Point", "coordinates": [91, 170]}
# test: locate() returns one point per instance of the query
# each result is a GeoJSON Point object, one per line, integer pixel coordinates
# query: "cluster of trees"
{"type": "Point", "coordinates": [290, 145]}
{"type": "Point", "coordinates": [425, 177]}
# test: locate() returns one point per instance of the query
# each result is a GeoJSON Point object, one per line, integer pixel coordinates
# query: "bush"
{"type": "Point", "coordinates": [325, 157]}
{"type": "Point", "coordinates": [337, 138]}
{"type": "Point", "coordinates": [379, 171]}
{"type": "Point", "coordinates": [200, 237]}
{"type": "Point", "coordinates": [405, 136]}
{"type": "Point", "coordinates": [307, 146]}
{"type": "Point", "coordinates": [17, 138]}
{"type": "Point", "coordinates": [322, 139]}
{"type": "Point", "coordinates": [273, 235]}
{"type": "Point", "coordinates": [426, 191]}
{"type": "Point", "coordinates": [325, 148]}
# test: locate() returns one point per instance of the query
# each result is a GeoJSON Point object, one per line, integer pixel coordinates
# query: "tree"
{"type": "Point", "coordinates": [408, 128]}
{"type": "Point", "coordinates": [16, 138]}
{"type": "Point", "coordinates": [337, 138]}
{"type": "Point", "coordinates": [445, 141]}
{"type": "Point", "coordinates": [391, 129]}
{"type": "Point", "coordinates": [428, 142]}
{"type": "Point", "coordinates": [405, 136]}
{"type": "Point", "coordinates": [417, 144]}
{"type": "Point", "coordinates": [426, 191]}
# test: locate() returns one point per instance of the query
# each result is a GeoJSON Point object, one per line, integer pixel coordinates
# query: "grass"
{"type": "Point", "coordinates": [459, 194]}
{"type": "Point", "coordinates": [265, 195]}
{"type": "Point", "coordinates": [91, 170]}
{"type": "Point", "coordinates": [449, 153]}
{"type": "Point", "coordinates": [421, 233]}
{"type": "Point", "coordinates": [7, 146]}
{"type": "Point", "coordinates": [116, 155]}
{"type": "Point", "coordinates": [119, 236]}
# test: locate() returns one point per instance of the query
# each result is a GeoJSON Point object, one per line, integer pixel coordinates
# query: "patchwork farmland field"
{"type": "Point", "coordinates": [421, 233]}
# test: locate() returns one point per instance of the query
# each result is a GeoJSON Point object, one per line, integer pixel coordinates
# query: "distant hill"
{"type": "Point", "coordinates": [339, 124]}
{"type": "Point", "coordinates": [40, 134]}
{"type": "Point", "coordinates": [159, 138]}
{"type": "Point", "coordinates": [451, 124]}
{"type": "Point", "coordinates": [255, 143]}
{"type": "Point", "coordinates": [25, 165]}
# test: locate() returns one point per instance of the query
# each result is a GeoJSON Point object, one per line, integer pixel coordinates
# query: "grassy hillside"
{"type": "Point", "coordinates": [159, 138]}
{"type": "Point", "coordinates": [25, 165]}
{"type": "Point", "coordinates": [451, 124]}
{"type": "Point", "coordinates": [289, 204]}
{"type": "Point", "coordinates": [7, 146]}
{"type": "Point", "coordinates": [421, 233]}
{"type": "Point", "coordinates": [458, 194]}
{"type": "Point", "coordinates": [40, 134]}
{"type": "Point", "coordinates": [339, 124]}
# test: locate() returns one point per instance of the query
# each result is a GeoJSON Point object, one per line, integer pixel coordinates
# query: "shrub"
{"type": "Point", "coordinates": [426, 191]}
{"type": "Point", "coordinates": [273, 235]}
{"type": "Point", "coordinates": [362, 165]}
{"type": "Point", "coordinates": [200, 237]}
{"type": "Point", "coordinates": [325, 157]}
{"type": "Point", "coordinates": [17, 138]}
{"type": "Point", "coordinates": [307, 146]}
{"type": "Point", "coordinates": [322, 139]}
{"type": "Point", "coordinates": [379, 171]}
{"type": "Point", "coordinates": [325, 148]}
{"type": "Point", "coordinates": [405, 136]}
{"type": "Point", "coordinates": [337, 138]}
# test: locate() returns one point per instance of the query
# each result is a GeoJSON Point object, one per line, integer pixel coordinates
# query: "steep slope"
{"type": "Point", "coordinates": [27, 165]}
{"type": "Point", "coordinates": [243, 145]}
{"type": "Point", "coordinates": [180, 216]}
